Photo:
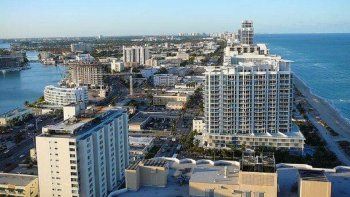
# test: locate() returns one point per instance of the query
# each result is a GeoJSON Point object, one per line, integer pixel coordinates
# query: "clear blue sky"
{"type": "Point", "coordinates": [46, 18]}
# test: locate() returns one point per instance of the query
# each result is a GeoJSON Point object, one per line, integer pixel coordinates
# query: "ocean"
{"type": "Point", "coordinates": [322, 61]}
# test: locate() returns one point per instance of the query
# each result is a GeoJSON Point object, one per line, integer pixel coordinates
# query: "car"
{"type": "Point", "coordinates": [21, 156]}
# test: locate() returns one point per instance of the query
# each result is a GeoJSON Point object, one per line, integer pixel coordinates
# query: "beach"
{"type": "Point", "coordinates": [326, 112]}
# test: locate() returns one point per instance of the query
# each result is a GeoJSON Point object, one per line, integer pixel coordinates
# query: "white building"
{"type": "Point", "coordinates": [61, 96]}
{"type": "Point", "coordinates": [135, 54]}
{"type": "Point", "coordinates": [83, 156]}
{"type": "Point", "coordinates": [80, 47]}
{"type": "Point", "coordinates": [85, 58]}
{"type": "Point", "coordinates": [251, 104]}
{"type": "Point", "coordinates": [164, 80]}
{"type": "Point", "coordinates": [246, 33]}
{"type": "Point", "coordinates": [139, 147]}
{"type": "Point", "coordinates": [198, 125]}
{"type": "Point", "coordinates": [117, 66]}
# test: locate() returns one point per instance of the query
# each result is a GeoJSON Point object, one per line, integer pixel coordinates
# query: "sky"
{"type": "Point", "coordinates": [66, 18]}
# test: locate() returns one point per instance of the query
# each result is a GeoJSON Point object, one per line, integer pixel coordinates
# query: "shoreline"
{"type": "Point", "coordinates": [328, 113]}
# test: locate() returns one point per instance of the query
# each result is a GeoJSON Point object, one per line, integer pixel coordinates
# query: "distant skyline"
{"type": "Point", "coordinates": [68, 18]}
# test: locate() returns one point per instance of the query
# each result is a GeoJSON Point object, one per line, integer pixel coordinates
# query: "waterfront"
{"type": "Point", "coordinates": [27, 85]}
{"type": "Point", "coordinates": [321, 61]}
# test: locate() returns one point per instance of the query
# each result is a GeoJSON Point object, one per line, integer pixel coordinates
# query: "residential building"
{"type": "Point", "coordinates": [18, 185]}
{"type": "Point", "coordinates": [164, 99]}
{"type": "Point", "coordinates": [117, 66]}
{"type": "Point", "coordinates": [139, 147]}
{"type": "Point", "coordinates": [84, 155]}
{"type": "Point", "coordinates": [84, 58]}
{"type": "Point", "coordinates": [164, 80]}
{"type": "Point", "coordinates": [61, 96]}
{"type": "Point", "coordinates": [251, 104]}
{"type": "Point", "coordinates": [15, 114]}
{"type": "Point", "coordinates": [175, 105]}
{"type": "Point", "coordinates": [91, 75]}
{"type": "Point", "coordinates": [246, 33]}
{"type": "Point", "coordinates": [198, 125]}
{"type": "Point", "coordinates": [135, 54]}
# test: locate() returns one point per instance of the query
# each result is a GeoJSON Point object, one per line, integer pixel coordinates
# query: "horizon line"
{"type": "Point", "coordinates": [158, 35]}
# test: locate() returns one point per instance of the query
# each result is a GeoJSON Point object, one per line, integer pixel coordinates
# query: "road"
{"type": "Point", "coordinates": [13, 157]}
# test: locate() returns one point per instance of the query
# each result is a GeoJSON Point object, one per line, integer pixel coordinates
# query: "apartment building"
{"type": "Point", "coordinates": [90, 75]}
{"type": "Point", "coordinates": [135, 54]}
{"type": "Point", "coordinates": [251, 104]}
{"type": "Point", "coordinates": [117, 66]}
{"type": "Point", "coordinates": [164, 99]}
{"type": "Point", "coordinates": [18, 185]}
{"type": "Point", "coordinates": [164, 80]}
{"type": "Point", "coordinates": [246, 33]}
{"type": "Point", "coordinates": [61, 96]}
{"type": "Point", "coordinates": [84, 155]}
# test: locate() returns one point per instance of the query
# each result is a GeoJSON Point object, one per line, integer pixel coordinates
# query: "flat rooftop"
{"type": "Point", "coordinates": [288, 179]}
{"type": "Point", "coordinates": [172, 189]}
{"type": "Point", "coordinates": [81, 124]}
{"type": "Point", "coordinates": [215, 175]}
{"type": "Point", "coordinates": [16, 179]}
{"type": "Point", "coordinates": [140, 141]}
{"type": "Point", "coordinates": [313, 175]}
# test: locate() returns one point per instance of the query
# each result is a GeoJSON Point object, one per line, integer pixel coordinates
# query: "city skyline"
{"type": "Point", "coordinates": [35, 19]}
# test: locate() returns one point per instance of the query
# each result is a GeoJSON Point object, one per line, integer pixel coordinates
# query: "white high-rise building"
{"type": "Point", "coordinates": [61, 96]}
{"type": "Point", "coordinates": [136, 54]}
{"type": "Point", "coordinates": [246, 33]}
{"type": "Point", "coordinates": [83, 156]}
{"type": "Point", "coordinates": [250, 104]}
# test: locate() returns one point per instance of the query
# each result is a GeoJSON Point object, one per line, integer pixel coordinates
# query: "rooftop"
{"type": "Point", "coordinates": [78, 125]}
{"type": "Point", "coordinates": [312, 175]}
{"type": "Point", "coordinates": [16, 179]}
{"type": "Point", "coordinates": [215, 174]}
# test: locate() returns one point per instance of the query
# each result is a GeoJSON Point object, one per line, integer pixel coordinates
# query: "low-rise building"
{"type": "Point", "coordinates": [164, 99]}
{"type": "Point", "coordinates": [17, 114]}
{"type": "Point", "coordinates": [19, 185]}
{"type": "Point", "coordinates": [139, 147]}
{"type": "Point", "coordinates": [175, 105]}
{"type": "Point", "coordinates": [164, 80]}
{"type": "Point", "coordinates": [146, 173]}
{"type": "Point", "coordinates": [61, 96]}
{"type": "Point", "coordinates": [313, 183]}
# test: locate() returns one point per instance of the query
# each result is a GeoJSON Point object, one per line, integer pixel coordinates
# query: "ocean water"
{"type": "Point", "coordinates": [27, 85]}
{"type": "Point", "coordinates": [322, 61]}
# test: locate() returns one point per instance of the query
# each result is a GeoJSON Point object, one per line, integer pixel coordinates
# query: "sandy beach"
{"type": "Point", "coordinates": [327, 113]}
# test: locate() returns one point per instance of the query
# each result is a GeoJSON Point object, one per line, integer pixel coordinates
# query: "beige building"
{"type": "Point", "coordinates": [198, 125]}
{"type": "Point", "coordinates": [90, 75]}
{"type": "Point", "coordinates": [175, 105]}
{"type": "Point", "coordinates": [146, 173]}
{"type": "Point", "coordinates": [18, 185]}
{"type": "Point", "coordinates": [163, 99]}
{"type": "Point", "coordinates": [314, 183]}
{"type": "Point", "coordinates": [224, 181]}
